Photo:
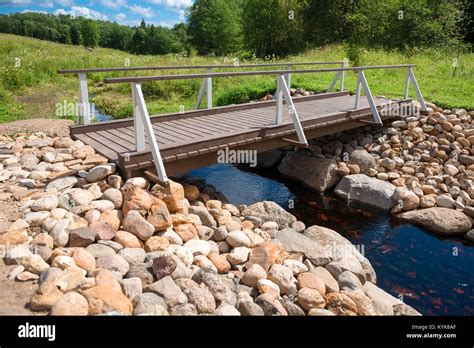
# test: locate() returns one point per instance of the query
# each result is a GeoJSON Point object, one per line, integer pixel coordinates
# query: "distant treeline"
{"type": "Point", "coordinates": [267, 27]}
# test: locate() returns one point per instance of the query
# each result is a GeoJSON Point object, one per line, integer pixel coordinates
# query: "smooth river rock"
{"type": "Point", "coordinates": [317, 174]}
{"type": "Point", "coordinates": [443, 221]}
{"type": "Point", "coordinates": [366, 190]}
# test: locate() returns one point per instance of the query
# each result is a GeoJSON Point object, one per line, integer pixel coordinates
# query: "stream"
{"type": "Point", "coordinates": [430, 273]}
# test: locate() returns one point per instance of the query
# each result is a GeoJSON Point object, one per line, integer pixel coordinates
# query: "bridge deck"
{"type": "Point", "coordinates": [190, 140]}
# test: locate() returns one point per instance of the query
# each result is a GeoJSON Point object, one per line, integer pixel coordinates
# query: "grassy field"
{"type": "Point", "coordinates": [30, 86]}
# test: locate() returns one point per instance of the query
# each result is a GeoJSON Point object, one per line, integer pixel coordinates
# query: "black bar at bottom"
{"type": "Point", "coordinates": [108, 330]}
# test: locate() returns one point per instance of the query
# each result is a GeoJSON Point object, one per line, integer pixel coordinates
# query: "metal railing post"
{"type": "Point", "coordinates": [370, 98]}
{"type": "Point", "coordinates": [202, 89]}
{"type": "Point", "coordinates": [357, 98]}
{"type": "Point", "coordinates": [209, 90]}
{"type": "Point", "coordinates": [343, 75]}
{"type": "Point", "coordinates": [144, 117]}
{"type": "Point", "coordinates": [407, 84]}
{"type": "Point", "coordinates": [292, 111]}
{"type": "Point", "coordinates": [84, 109]}
{"type": "Point", "coordinates": [288, 77]}
{"type": "Point", "coordinates": [334, 81]}
{"type": "Point", "coordinates": [279, 102]}
{"type": "Point", "coordinates": [419, 96]}
{"type": "Point", "coordinates": [137, 122]}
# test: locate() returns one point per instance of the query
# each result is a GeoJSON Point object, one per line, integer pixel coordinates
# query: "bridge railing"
{"type": "Point", "coordinates": [84, 115]}
{"type": "Point", "coordinates": [143, 125]}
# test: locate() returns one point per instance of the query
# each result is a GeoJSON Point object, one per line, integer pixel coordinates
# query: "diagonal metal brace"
{"type": "Point", "coordinates": [362, 84]}
{"type": "Point", "coordinates": [285, 92]}
{"type": "Point", "coordinates": [143, 118]}
{"type": "Point", "coordinates": [411, 78]}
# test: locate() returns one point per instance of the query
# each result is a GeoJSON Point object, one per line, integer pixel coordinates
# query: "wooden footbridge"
{"type": "Point", "coordinates": [172, 144]}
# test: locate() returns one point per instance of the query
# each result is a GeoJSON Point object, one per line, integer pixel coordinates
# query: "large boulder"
{"type": "Point", "coordinates": [363, 159]}
{"type": "Point", "coordinates": [384, 303]}
{"type": "Point", "coordinates": [268, 159]}
{"type": "Point", "coordinates": [295, 242]}
{"type": "Point", "coordinates": [270, 211]}
{"type": "Point", "coordinates": [443, 221]}
{"type": "Point", "coordinates": [338, 246]}
{"type": "Point", "coordinates": [172, 195]}
{"type": "Point", "coordinates": [317, 174]}
{"type": "Point", "coordinates": [363, 189]}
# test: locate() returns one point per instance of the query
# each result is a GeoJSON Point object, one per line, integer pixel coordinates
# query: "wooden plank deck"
{"type": "Point", "coordinates": [190, 140]}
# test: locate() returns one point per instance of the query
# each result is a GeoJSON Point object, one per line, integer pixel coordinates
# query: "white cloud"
{"type": "Point", "coordinates": [14, 2]}
{"type": "Point", "coordinates": [51, 3]}
{"type": "Point", "coordinates": [47, 3]}
{"type": "Point", "coordinates": [114, 4]}
{"type": "Point", "coordinates": [146, 12]}
{"type": "Point", "coordinates": [31, 11]}
{"type": "Point", "coordinates": [78, 11]}
{"type": "Point", "coordinates": [172, 3]}
{"type": "Point", "coordinates": [168, 24]}
{"type": "Point", "coordinates": [120, 17]}
{"type": "Point", "coordinates": [65, 2]}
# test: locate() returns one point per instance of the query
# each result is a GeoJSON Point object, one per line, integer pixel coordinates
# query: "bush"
{"type": "Point", "coordinates": [244, 94]}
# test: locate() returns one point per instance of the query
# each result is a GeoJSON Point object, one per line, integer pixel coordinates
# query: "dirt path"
{"type": "Point", "coordinates": [14, 295]}
{"type": "Point", "coordinates": [50, 127]}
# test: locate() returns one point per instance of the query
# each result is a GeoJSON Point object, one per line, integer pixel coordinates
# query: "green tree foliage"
{"type": "Point", "coordinates": [325, 21]}
{"type": "Point", "coordinates": [90, 33]}
{"type": "Point", "coordinates": [80, 31]}
{"type": "Point", "coordinates": [214, 26]}
{"type": "Point", "coordinates": [76, 34]}
{"type": "Point", "coordinates": [268, 27]}
{"type": "Point", "coordinates": [273, 27]}
{"type": "Point", "coordinates": [403, 24]}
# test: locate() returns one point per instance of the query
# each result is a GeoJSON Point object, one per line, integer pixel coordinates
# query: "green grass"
{"type": "Point", "coordinates": [34, 88]}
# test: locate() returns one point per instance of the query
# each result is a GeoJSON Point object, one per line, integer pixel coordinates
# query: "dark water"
{"type": "Point", "coordinates": [432, 274]}
{"type": "Point", "coordinates": [101, 117]}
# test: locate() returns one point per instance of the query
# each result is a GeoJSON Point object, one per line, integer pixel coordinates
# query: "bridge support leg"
{"type": "Point", "coordinates": [411, 78]}
{"type": "Point", "coordinates": [362, 83]}
{"type": "Point", "coordinates": [144, 118]}
{"type": "Point", "coordinates": [84, 107]}
{"type": "Point", "coordinates": [292, 110]}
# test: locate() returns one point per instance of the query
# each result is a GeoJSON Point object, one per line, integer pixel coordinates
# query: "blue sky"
{"type": "Point", "coordinates": [127, 12]}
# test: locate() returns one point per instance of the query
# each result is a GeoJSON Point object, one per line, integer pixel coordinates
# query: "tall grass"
{"type": "Point", "coordinates": [33, 88]}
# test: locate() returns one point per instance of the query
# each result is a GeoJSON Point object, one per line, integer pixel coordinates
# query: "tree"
{"type": "Point", "coordinates": [273, 27]}
{"type": "Point", "coordinates": [76, 34]}
{"type": "Point", "coordinates": [325, 21]}
{"type": "Point", "coordinates": [214, 27]}
{"type": "Point", "coordinates": [138, 44]}
{"type": "Point", "coordinates": [90, 33]}
{"type": "Point", "coordinates": [65, 34]}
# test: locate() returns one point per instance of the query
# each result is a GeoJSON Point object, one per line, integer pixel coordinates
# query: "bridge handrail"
{"type": "Point", "coordinates": [138, 79]}
{"type": "Point", "coordinates": [191, 67]}
{"type": "Point", "coordinates": [84, 115]}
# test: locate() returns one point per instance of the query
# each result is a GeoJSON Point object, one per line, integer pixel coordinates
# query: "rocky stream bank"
{"type": "Point", "coordinates": [420, 168]}
{"type": "Point", "coordinates": [93, 244]}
